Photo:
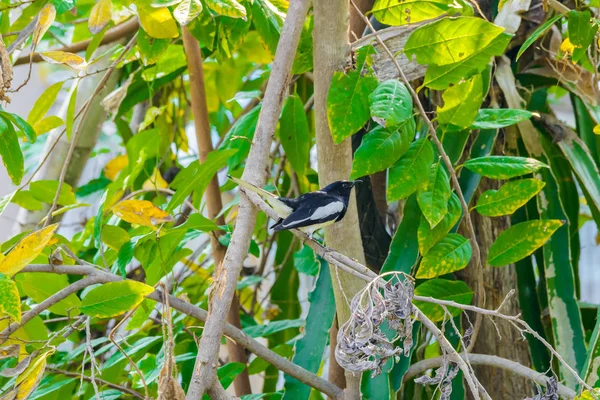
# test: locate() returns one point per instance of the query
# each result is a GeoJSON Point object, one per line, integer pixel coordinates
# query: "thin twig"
{"type": "Point", "coordinates": [111, 385]}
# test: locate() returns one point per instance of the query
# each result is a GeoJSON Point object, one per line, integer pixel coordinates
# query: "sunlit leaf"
{"type": "Point", "coordinates": [442, 289]}
{"type": "Point", "coordinates": [114, 298]}
{"type": "Point", "coordinates": [31, 377]}
{"type": "Point", "coordinates": [10, 300]}
{"type": "Point", "coordinates": [27, 250]}
{"type": "Point", "coordinates": [521, 240]}
{"type": "Point", "coordinates": [461, 104]}
{"type": "Point", "coordinates": [294, 134]}
{"type": "Point", "coordinates": [429, 236]}
{"type": "Point", "coordinates": [100, 16]}
{"type": "Point", "coordinates": [158, 22]}
{"type": "Point", "coordinates": [45, 191]}
{"type": "Point", "coordinates": [508, 198]}
{"type": "Point", "coordinates": [433, 199]}
{"type": "Point", "coordinates": [116, 165]}
{"type": "Point", "coordinates": [24, 198]}
{"type": "Point", "coordinates": [40, 286]}
{"type": "Point", "coordinates": [70, 117]}
{"type": "Point", "coordinates": [186, 11]}
{"type": "Point", "coordinates": [229, 8]}
{"type": "Point", "coordinates": [62, 57]}
{"type": "Point", "coordinates": [47, 124]}
{"type": "Point", "coordinates": [45, 20]}
{"type": "Point", "coordinates": [503, 167]}
{"type": "Point", "coordinates": [140, 212]}
{"type": "Point", "coordinates": [44, 102]}
{"type": "Point", "coordinates": [450, 254]}
{"type": "Point", "coordinates": [393, 12]}
{"type": "Point", "coordinates": [411, 171]}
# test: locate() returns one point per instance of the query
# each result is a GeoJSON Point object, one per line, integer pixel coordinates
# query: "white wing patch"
{"type": "Point", "coordinates": [320, 213]}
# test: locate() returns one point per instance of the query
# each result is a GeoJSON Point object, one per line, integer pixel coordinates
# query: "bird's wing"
{"type": "Point", "coordinates": [281, 208]}
{"type": "Point", "coordinates": [313, 210]}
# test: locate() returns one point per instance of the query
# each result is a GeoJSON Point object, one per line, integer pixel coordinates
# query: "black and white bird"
{"type": "Point", "coordinates": [309, 212]}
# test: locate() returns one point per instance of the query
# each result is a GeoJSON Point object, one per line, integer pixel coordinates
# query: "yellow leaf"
{"type": "Point", "coordinates": [597, 129]}
{"type": "Point", "coordinates": [31, 377]}
{"type": "Point", "coordinates": [47, 124]}
{"type": "Point", "coordinates": [140, 212]}
{"type": "Point", "coordinates": [62, 57]}
{"type": "Point", "coordinates": [567, 47]}
{"type": "Point", "coordinates": [27, 250]}
{"type": "Point", "coordinates": [46, 18]}
{"type": "Point", "coordinates": [116, 165]}
{"type": "Point", "coordinates": [158, 22]}
{"type": "Point", "coordinates": [229, 8]}
{"type": "Point", "coordinates": [100, 16]}
{"type": "Point", "coordinates": [156, 181]}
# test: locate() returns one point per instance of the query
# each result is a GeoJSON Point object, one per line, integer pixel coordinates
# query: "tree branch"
{"type": "Point", "coordinates": [111, 385]}
{"type": "Point", "coordinates": [492, 361]}
{"type": "Point", "coordinates": [224, 285]}
{"type": "Point", "coordinates": [112, 35]}
{"type": "Point", "coordinates": [193, 311]}
{"type": "Point", "coordinates": [214, 203]}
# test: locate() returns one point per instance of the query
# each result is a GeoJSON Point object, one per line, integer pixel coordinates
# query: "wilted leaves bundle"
{"type": "Point", "coordinates": [361, 343]}
{"type": "Point", "coordinates": [443, 377]}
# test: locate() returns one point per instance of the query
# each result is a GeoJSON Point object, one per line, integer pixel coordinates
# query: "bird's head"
{"type": "Point", "coordinates": [341, 188]}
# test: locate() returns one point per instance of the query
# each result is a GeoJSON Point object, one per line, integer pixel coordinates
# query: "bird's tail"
{"type": "Point", "coordinates": [280, 208]}
{"type": "Point", "coordinates": [277, 225]}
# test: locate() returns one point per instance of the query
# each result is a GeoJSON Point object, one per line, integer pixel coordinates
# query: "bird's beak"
{"type": "Point", "coordinates": [355, 182]}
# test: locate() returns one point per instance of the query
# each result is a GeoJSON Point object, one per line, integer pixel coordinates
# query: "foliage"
{"type": "Point", "coordinates": [146, 232]}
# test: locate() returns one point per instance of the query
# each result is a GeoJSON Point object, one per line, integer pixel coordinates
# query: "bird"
{"type": "Point", "coordinates": [310, 211]}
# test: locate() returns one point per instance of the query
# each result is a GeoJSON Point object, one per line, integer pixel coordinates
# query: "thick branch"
{"type": "Point", "coordinates": [224, 286]}
{"type": "Point", "coordinates": [193, 311]}
{"type": "Point", "coordinates": [492, 361]}
{"type": "Point", "coordinates": [112, 35]}
{"type": "Point", "coordinates": [214, 203]}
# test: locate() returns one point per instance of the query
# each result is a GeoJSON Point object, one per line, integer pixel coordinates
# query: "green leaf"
{"type": "Point", "coordinates": [503, 167]}
{"type": "Point", "coordinates": [451, 40]}
{"type": "Point", "coordinates": [268, 21]}
{"type": "Point", "coordinates": [70, 117]}
{"type": "Point", "coordinates": [44, 102]}
{"type": "Point", "coordinates": [114, 236]}
{"type": "Point", "coordinates": [136, 348]}
{"type": "Point", "coordinates": [348, 103]}
{"type": "Point", "coordinates": [404, 248]}
{"type": "Point", "coordinates": [310, 347]}
{"type": "Point", "coordinates": [390, 102]}
{"type": "Point", "coordinates": [151, 49]}
{"type": "Point", "coordinates": [461, 104]}
{"type": "Point", "coordinates": [10, 300]}
{"type": "Point", "coordinates": [40, 286]}
{"type": "Point", "coordinates": [450, 254]}
{"type": "Point", "coordinates": [381, 148]}
{"type": "Point", "coordinates": [433, 200]}
{"type": "Point", "coordinates": [521, 240]}
{"type": "Point", "coordinates": [305, 261]}
{"type": "Point", "coordinates": [227, 373]}
{"type": "Point", "coordinates": [45, 191]}
{"type": "Point", "coordinates": [509, 198]}
{"type": "Point", "coordinates": [439, 77]}
{"type": "Point", "coordinates": [442, 289]}
{"type": "Point", "coordinates": [393, 12]}
{"type": "Point", "coordinates": [538, 32]}
{"type": "Point", "coordinates": [591, 372]}
{"type": "Point", "coordinates": [240, 137]}
{"type": "Point", "coordinates": [114, 298]}
{"type": "Point", "coordinates": [582, 30]}
{"type": "Point", "coordinates": [294, 134]}
{"type": "Point", "coordinates": [24, 198]}
{"type": "Point", "coordinates": [229, 8]}
{"type": "Point", "coordinates": [411, 171]}
{"type": "Point", "coordinates": [157, 22]}
{"type": "Point", "coordinates": [21, 125]}
{"type": "Point", "coordinates": [10, 150]}
{"type": "Point", "coordinates": [496, 118]}
{"type": "Point", "coordinates": [196, 176]}
{"type": "Point", "coordinates": [429, 236]}
{"type": "Point", "coordinates": [273, 327]}
{"type": "Point", "coordinates": [197, 222]}
{"type": "Point", "coordinates": [47, 124]}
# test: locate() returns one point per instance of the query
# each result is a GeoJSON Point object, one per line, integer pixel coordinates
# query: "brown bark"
{"type": "Point", "coordinates": [214, 203]}
{"type": "Point", "coordinates": [357, 25]}
{"type": "Point", "coordinates": [330, 54]}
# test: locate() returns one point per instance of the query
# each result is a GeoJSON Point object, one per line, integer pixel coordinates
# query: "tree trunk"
{"type": "Point", "coordinates": [330, 54]}
{"type": "Point", "coordinates": [214, 203]}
